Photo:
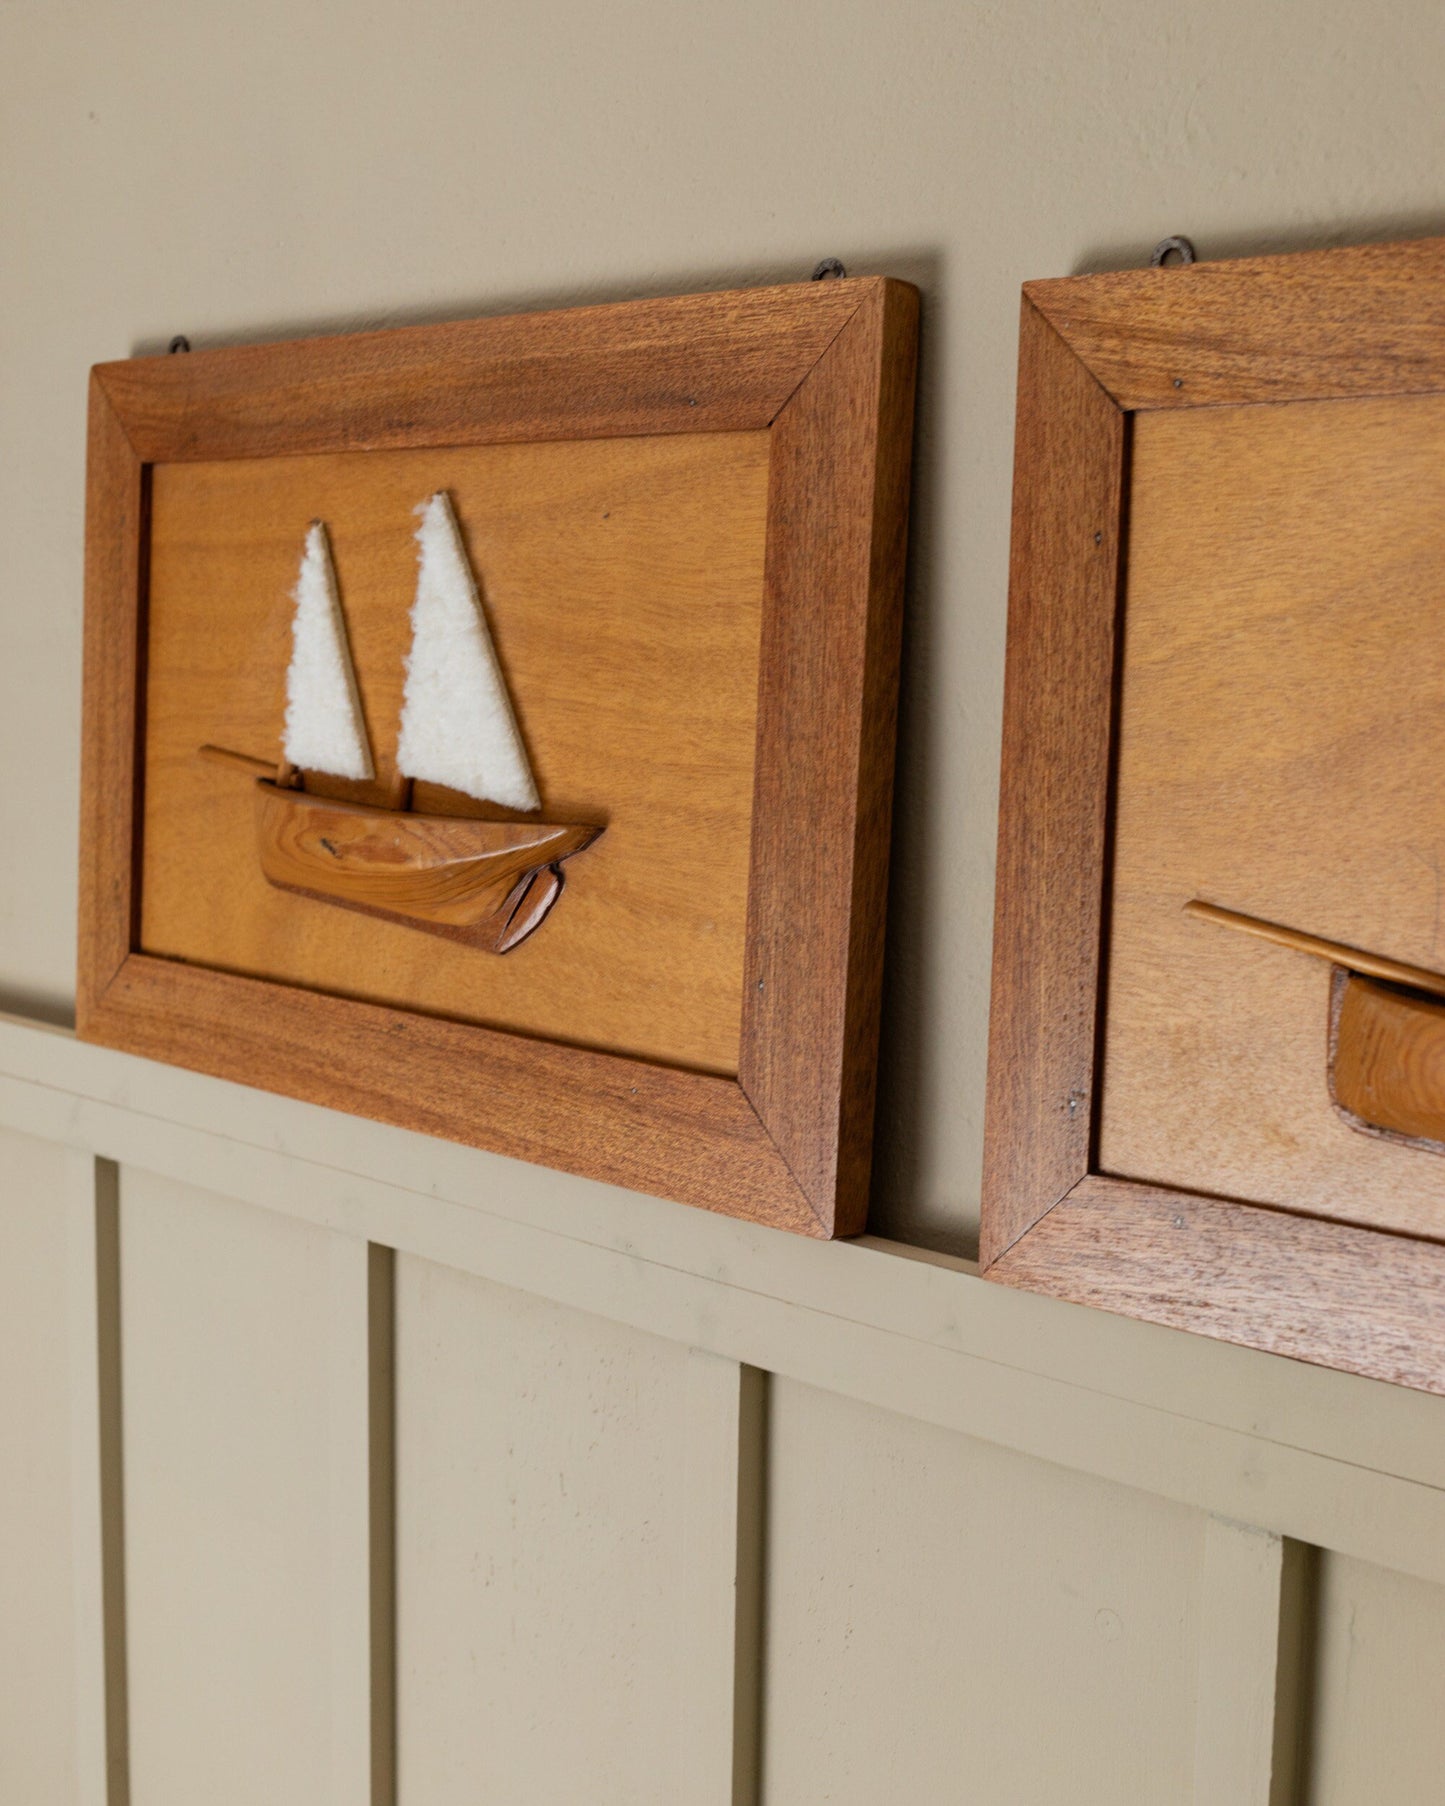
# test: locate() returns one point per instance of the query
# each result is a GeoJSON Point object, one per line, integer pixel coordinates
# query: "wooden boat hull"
{"type": "Point", "coordinates": [1387, 1059]}
{"type": "Point", "coordinates": [490, 883]}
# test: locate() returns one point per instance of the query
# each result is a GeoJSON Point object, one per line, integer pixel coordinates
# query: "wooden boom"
{"type": "Point", "coordinates": [1373, 965]}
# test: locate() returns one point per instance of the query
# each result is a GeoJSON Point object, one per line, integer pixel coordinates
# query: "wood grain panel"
{"type": "Point", "coordinates": [1054, 787]}
{"type": "Point", "coordinates": [1282, 732]}
{"type": "Point", "coordinates": [1364, 320]}
{"type": "Point", "coordinates": [638, 706]}
{"type": "Point", "coordinates": [680, 364]}
{"type": "Point", "coordinates": [1351, 1298]}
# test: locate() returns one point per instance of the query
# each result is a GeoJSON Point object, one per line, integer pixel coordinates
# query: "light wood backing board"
{"type": "Point", "coordinates": [637, 701]}
{"type": "Point", "coordinates": [1281, 749]}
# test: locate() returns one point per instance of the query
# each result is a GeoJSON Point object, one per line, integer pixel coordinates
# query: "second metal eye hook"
{"type": "Point", "coordinates": [1167, 247]}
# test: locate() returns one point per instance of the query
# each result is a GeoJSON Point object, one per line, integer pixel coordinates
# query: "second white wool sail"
{"type": "Point", "coordinates": [457, 725]}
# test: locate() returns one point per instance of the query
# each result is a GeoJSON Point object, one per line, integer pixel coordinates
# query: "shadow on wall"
{"type": "Point", "coordinates": [910, 1002]}
{"type": "Point", "coordinates": [37, 1006]}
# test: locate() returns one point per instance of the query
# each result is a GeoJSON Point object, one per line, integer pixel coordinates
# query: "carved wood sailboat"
{"type": "Point", "coordinates": [489, 883]}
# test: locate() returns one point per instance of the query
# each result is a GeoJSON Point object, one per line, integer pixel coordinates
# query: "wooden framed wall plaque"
{"type": "Point", "coordinates": [489, 729]}
{"type": "Point", "coordinates": [1217, 1047]}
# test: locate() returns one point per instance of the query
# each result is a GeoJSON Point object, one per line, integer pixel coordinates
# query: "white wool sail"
{"type": "Point", "coordinates": [324, 726]}
{"type": "Point", "coordinates": [457, 725]}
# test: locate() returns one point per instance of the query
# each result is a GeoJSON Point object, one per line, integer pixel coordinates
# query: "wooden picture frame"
{"type": "Point", "coordinates": [1096, 354]}
{"type": "Point", "coordinates": [826, 370]}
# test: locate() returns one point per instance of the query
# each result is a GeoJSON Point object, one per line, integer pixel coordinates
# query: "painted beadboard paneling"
{"type": "Point", "coordinates": [543, 1573]}
{"type": "Point", "coordinates": [244, 1378]}
{"type": "Point", "coordinates": [37, 1638]}
{"type": "Point", "coordinates": [947, 1621]}
{"type": "Point", "coordinates": [1379, 1689]}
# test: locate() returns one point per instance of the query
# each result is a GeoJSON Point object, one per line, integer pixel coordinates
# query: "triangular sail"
{"type": "Point", "coordinates": [324, 726]}
{"type": "Point", "coordinates": [457, 725]}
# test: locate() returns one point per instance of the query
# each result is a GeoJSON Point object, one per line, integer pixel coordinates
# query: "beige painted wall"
{"type": "Point", "coordinates": [986, 1548]}
{"type": "Point", "coordinates": [263, 168]}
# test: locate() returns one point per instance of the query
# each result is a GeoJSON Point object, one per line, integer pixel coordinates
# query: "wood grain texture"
{"type": "Point", "coordinates": [623, 584]}
{"type": "Point", "coordinates": [1281, 734]}
{"type": "Point", "coordinates": [1054, 785]}
{"type": "Point", "coordinates": [683, 364]}
{"type": "Point", "coordinates": [683, 1135]}
{"type": "Point", "coordinates": [821, 695]}
{"type": "Point", "coordinates": [827, 703]}
{"type": "Point", "coordinates": [1369, 320]}
{"type": "Point", "coordinates": [1349, 1298]}
{"type": "Point", "coordinates": [116, 494]}
{"type": "Point", "coordinates": [1387, 1059]}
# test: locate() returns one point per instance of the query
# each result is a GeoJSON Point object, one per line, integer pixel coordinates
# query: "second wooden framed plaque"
{"type": "Point", "coordinates": [489, 729]}
{"type": "Point", "coordinates": [1217, 1060]}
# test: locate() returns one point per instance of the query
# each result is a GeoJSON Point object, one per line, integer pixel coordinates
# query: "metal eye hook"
{"type": "Point", "coordinates": [828, 268]}
{"type": "Point", "coordinates": [1167, 247]}
{"type": "Point", "coordinates": [179, 343]}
